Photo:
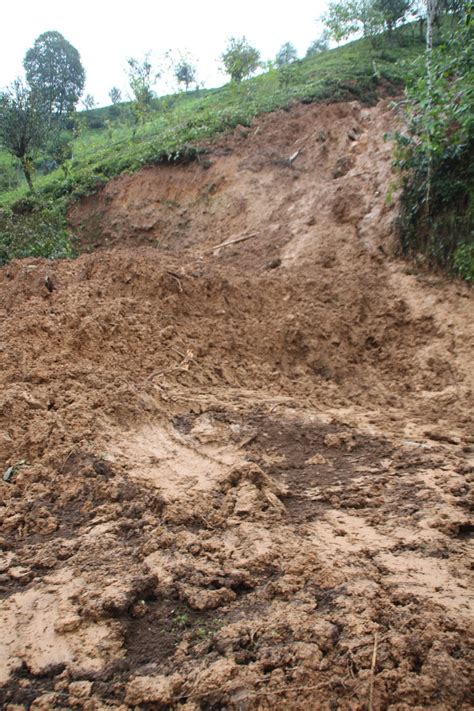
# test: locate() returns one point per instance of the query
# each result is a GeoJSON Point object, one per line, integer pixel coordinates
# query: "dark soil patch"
{"type": "Point", "coordinates": [314, 456]}
{"type": "Point", "coordinates": [23, 687]}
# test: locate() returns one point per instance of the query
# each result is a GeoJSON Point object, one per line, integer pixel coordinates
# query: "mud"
{"type": "Point", "coordinates": [243, 437]}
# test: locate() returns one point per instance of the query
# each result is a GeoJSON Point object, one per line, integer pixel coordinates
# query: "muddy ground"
{"type": "Point", "coordinates": [242, 474]}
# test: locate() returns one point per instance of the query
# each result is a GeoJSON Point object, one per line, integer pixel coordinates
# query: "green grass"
{"type": "Point", "coordinates": [179, 123]}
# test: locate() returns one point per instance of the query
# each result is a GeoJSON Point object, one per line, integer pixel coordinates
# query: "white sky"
{"type": "Point", "coordinates": [105, 32]}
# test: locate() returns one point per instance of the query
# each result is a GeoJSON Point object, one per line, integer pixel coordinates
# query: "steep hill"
{"type": "Point", "coordinates": [108, 141]}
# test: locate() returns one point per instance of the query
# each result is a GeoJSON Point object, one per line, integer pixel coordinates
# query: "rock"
{"type": "Point", "coordinates": [6, 447]}
{"type": "Point", "coordinates": [317, 459]}
{"type": "Point", "coordinates": [343, 166]}
{"type": "Point", "coordinates": [68, 624]}
{"type": "Point", "coordinates": [273, 263]}
{"type": "Point", "coordinates": [439, 435]}
{"type": "Point", "coordinates": [22, 575]}
{"type": "Point", "coordinates": [340, 439]}
{"type": "Point", "coordinates": [200, 599]}
{"type": "Point", "coordinates": [159, 690]}
{"type": "Point", "coordinates": [45, 702]}
{"type": "Point", "coordinates": [80, 689]}
{"type": "Point", "coordinates": [5, 559]}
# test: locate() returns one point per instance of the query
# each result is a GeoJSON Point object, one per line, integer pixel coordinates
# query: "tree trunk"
{"type": "Point", "coordinates": [431, 8]}
{"type": "Point", "coordinates": [26, 165]}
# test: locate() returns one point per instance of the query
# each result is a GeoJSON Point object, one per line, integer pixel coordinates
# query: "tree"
{"type": "Point", "coordinates": [114, 111]}
{"type": "Point", "coordinates": [59, 148]}
{"type": "Point", "coordinates": [320, 44]}
{"type": "Point", "coordinates": [286, 55]}
{"type": "Point", "coordinates": [369, 17]}
{"type": "Point", "coordinates": [55, 73]}
{"type": "Point", "coordinates": [393, 11]}
{"type": "Point", "coordinates": [141, 79]}
{"type": "Point", "coordinates": [22, 125]}
{"type": "Point", "coordinates": [185, 72]}
{"type": "Point", "coordinates": [115, 95]}
{"type": "Point", "coordinates": [240, 59]}
{"type": "Point", "coordinates": [88, 102]}
{"type": "Point", "coordinates": [349, 17]}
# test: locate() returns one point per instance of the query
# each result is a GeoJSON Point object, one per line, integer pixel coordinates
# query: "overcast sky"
{"type": "Point", "coordinates": [106, 32]}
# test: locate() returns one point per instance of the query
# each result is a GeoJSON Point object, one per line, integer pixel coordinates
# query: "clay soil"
{"type": "Point", "coordinates": [242, 474]}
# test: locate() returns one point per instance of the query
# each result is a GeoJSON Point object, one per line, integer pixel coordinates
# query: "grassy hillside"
{"type": "Point", "coordinates": [109, 144]}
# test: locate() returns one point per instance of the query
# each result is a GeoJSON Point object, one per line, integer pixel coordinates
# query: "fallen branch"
{"type": "Point", "coordinates": [178, 279]}
{"type": "Point", "coordinates": [372, 674]}
{"type": "Point", "coordinates": [184, 366]}
{"type": "Point", "coordinates": [242, 238]}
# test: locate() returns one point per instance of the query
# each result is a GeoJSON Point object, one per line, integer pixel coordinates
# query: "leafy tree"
{"type": "Point", "coordinates": [320, 44]}
{"type": "Point", "coordinates": [240, 59]}
{"type": "Point", "coordinates": [369, 17]}
{"type": "Point", "coordinates": [115, 95]}
{"type": "Point", "coordinates": [286, 55]}
{"type": "Point", "coordinates": [59, 148]}
{"type": "Point", "coordinates": [55, 73]}
{"type": "Point", "coordinates": [88, 102]}
{"type": "Point", "coordinates": [393, 11]}
{"type": "Point", "coordinates": [23, 125]}
{"type": "Point", "coordinates": [141, 79]}
{"type": "Point", "coordinates": [115, 110]}
{"type": "Point", "coordinates": [183, 67]}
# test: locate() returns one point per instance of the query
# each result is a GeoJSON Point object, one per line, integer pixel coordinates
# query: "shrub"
{"type": "Point", "coordinates": [39, 233]}
{"type": "Point", "coordinates": [464, 262]}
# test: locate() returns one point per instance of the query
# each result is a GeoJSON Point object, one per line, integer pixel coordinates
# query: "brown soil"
{"type": "Point", "coordinates": [248, 468]}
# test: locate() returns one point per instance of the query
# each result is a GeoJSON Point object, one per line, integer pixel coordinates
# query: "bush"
{"type": "Point", "coordinates": [435, 154]}
{"type": "Point", "coordinates": [464, 262]}
{"type": "Point", "coordinates": [40, 232]}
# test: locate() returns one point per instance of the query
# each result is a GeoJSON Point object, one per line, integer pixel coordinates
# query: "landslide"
{"type": "Point", "coordinates": [241, 440]}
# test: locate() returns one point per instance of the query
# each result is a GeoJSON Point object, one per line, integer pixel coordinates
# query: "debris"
{"type": "Point", "coordinates": [273, 263]}
{"type": "Point", "coordinates": [242, 238]}
{"type": "Point", "coordinates": [293, 157]}
{"type": "Point", "coordinates": [10, 471]}
{"type": "Point", "coordinates": [372, 673]}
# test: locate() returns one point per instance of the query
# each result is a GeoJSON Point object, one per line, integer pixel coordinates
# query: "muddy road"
{"type": "Point", "coordinates": [241, 441]}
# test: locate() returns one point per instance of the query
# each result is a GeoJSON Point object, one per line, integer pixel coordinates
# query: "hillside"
{"type": "Point", "coordinates": [109, 143]}
{"type": "Point", "coordinates": [236, 438]}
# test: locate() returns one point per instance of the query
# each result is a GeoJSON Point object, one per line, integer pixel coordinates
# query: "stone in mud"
{"type": "Point", "coordinates": [200, 599]}
{"type": "Point", "coordinates": [340, 439]}
{"type": "Point", "coordinates": [343, 166]}
{"type": "Point", "coordinates": [159, 690]}
{"type": "Point", "coordinates": [67, 624]}
{"type": "Point", "coordinates": [20, 574]}
{"type": "Point", "coordinates": [80, 689]}
{"type": "Point", "coordinates": [45, 702]}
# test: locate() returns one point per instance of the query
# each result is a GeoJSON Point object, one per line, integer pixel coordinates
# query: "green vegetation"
{"type": "Point", "coordinates": [54, 74]}
{"type": "Point", "coordinates": [435, 153]}
{"type": "Point", "coordinates": [39, 231]}
{"type": "Point", "coordinates": [286, 55]}
{"type": "Point", "coordinates": [141, 78]}
{"type": "Point", "coordinates": [369, 17]}
{"type": "Point", "coordinates": [240, 60]}
{"type": "Point", "coordinates": [22, 125]}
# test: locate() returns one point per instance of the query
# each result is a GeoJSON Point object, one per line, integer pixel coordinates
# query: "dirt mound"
{"type": "Point", "coordinates": [236, 441]}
